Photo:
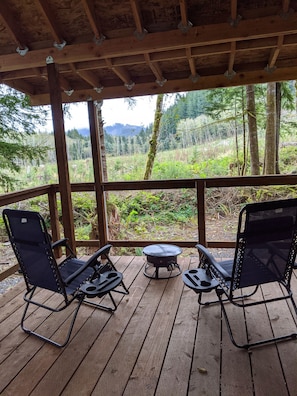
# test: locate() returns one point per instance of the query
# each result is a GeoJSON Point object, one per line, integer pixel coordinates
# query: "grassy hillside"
{"type": "Point", "coordinates": [162, 214]}
{"type": "Point", "coordinates": [216, 158]}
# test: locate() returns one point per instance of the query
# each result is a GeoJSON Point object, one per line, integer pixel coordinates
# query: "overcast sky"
{"type": "Point", "coordinates": [114, 111]}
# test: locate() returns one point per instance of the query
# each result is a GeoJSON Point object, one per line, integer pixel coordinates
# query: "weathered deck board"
{"type": "Point", "coordinates": [158, 342]}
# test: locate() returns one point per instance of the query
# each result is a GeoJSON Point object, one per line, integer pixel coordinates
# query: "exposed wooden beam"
{"type": "Point", "coordinates": [192, 54]}
{"type": "Point", "coordinates": [91, 78]}
{"type": "Point", "coordinates": [65, 85]}
{"type": "Point", "coordinates": [90, 12]}
{"type": "Point", "coordinates": [22, 86]}
{"type": "Point", "coordinates": [140, 30]}
{"type": "Point", "coordinates": [122, 73]}
{"type": "Point", "coordinates": [194, 76]}
{"type": "Point", "coordinates": [197, 37]}
{"type": "Point", "coordinates": [230, 71]}
{"type": "Point", "coordinates": [12, 27]}
{"type": "Point", "coordinates": [184, 24]}
{"type": "Point", "coordinates": [286, 6]}
{"type": "Point", "coordinates": [195, 52]}
{"type": "Point", "coordinates": [155, 68]}
{"type": "Point", "coordinates": [50, 21]}
{"type": "Point", "coordinates": [234, 17]}
{"type": "Point", "coordinates": [271, 64]}
{"type": "Point", "coordinates": [288, 72]}
{"type": "Point", "coordinates": [275, 53]}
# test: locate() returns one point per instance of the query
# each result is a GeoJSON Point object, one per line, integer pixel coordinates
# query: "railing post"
{"type": "Point", "coordinates": [200, 190]}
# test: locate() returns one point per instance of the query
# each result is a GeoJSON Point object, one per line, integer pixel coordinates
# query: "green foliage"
{"type": "Point", "coordinates": [172, 170]}
{"type": "Point", "coordinates": [18, 122]}
{"type": "Point", "coordinates": [142, 209]}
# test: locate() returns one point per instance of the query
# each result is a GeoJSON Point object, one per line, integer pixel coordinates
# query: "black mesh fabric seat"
{"type": "Point", "coordinates": [265, 252]}
{"type": "Point", "coordinates": [73, 279]}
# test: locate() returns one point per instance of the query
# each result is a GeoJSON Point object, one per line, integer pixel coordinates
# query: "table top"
{"type": "Point", "coordinates": [198, 280]}
{"type": "Point", "coordinates": [162, 250]}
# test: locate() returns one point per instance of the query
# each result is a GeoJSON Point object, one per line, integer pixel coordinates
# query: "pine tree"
{"type": "Point", "coordinates": [18, 122]}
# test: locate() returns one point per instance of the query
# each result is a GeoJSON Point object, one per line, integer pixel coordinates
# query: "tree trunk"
{"type": "Point", "coordinates": [243, 168]}
{"type": "Point", "coordinates": [277, 125]}
{"type": "Point", "coordinates": [270, 137]}
{"type": "Point", "coordinates": [101, 140]}
{"type": "Point", "coordinates": [154, 139]}
{"type": "Point", "coordinates": [253, 133]}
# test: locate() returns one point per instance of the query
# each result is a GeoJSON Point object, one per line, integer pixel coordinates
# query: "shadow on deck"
{"type": "Point", "coordinates": [158, 342]}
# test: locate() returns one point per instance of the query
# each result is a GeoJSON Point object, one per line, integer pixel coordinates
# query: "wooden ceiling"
{"type": "Point", "coordinates": [118, 48]}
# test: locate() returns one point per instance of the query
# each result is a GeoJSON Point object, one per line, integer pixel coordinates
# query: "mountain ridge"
{"type": "Point", "coordinates": [117, 129]}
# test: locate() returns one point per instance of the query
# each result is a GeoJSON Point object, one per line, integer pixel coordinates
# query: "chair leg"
{"type": "Point", "coordinates": [257, 343]}
{"type": "Point", "coordinates": [226, 299]}
{"type": "Point", "coordinates": [46, 339]}
{"type": "Point", "coordinates": [102, 306]}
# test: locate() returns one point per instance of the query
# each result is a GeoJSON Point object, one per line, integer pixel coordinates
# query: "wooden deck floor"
{"type": "Point", "coordinates": [158, 342]}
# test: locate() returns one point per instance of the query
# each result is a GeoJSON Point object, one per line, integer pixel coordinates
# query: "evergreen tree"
{"type": "Point", "coordinates": [18, 121]}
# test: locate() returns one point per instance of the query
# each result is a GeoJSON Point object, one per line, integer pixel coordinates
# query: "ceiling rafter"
{"type": "Point", "coordinates": [271, 65]}
{"type": "Point", "coordinates": [234, 18]}
{"type": "Point", "coordinates": [274, 53]}
{"type": "Point", "coordinates": [90, 12]}
{"type": "Point", "coordinates": [214, 35]}
{"type": "Point", "coordinates": [50, 20]}
{"type": "Point", "coordinates": [65, 85]}
{"type": "Point", "coordinates": [23, 86]}
{"type": "Point", "coordinates": [156, 69]}
{"type": "Point", "coordinates": [39, 72]}
{"type": "Point", "coordinates": [194, 76]}
{"type": "Point", "coordinates": [90, 77]}
{"type": "Point", "coordinates": [184, 24]}
{"type": "Point", "coordinates": [140, 31]}
{"type": "Point", "coordinates": [230, 73]}
{"type": "Point", "coordinates": [286, 6]}
{"type": "Point", "coordinates": [243, 50]}
{"type": "Point", "coordinates": [192, 54]}
{"type": "Point", "coordinates": [9, 21]}
{"type": "Point", "coordinates": [208, 82]}
{"type": "Point", "coordinates": [122, 73]}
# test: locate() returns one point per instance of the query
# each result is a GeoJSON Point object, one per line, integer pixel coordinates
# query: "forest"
{"type": "Point", "coordinates": [222, 132]}
{"type": "Point", "coordinates": [202, 134]}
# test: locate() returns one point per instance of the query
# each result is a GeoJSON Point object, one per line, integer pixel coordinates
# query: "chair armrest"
{"type": "Point", "coordinates": [206, 253]}
{"type": "Point", "coordinates": [212, 261]}
{"type": "Point", "coordinates": [104, 251]}
{"type": "Point", "coordinates": [60, 242]}
{"type": "Point", "coordinates": [64, 243]}
{"type": "Point", "coordinates": [89, 263]}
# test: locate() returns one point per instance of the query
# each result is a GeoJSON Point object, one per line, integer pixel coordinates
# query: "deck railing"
{"type": "Point", "coordinates": [199, 185]}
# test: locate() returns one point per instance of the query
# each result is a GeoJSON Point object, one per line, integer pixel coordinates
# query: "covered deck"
{"type": "Point", "coordinates": [72, 51]}
{"type": "Point", "coordinates": [158, 342]}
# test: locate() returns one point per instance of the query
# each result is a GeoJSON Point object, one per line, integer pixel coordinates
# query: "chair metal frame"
{"type": "Point", "coordinates": [73, 279]}
{"type": "Point", "coordinates": [253, 266]}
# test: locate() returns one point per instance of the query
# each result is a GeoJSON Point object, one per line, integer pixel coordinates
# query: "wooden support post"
{"type": "Point", "coordinates": [61, 153]}
{"type": "Point", "coordinates": [98, 175]}
{"type": "Point", "coordinates": [200, 190]}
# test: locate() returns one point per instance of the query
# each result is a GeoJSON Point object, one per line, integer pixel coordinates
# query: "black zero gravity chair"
{"type": "Point", "coordinates": [265, 252]}
{"type": "Point", "coordinates": [72, 279]}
